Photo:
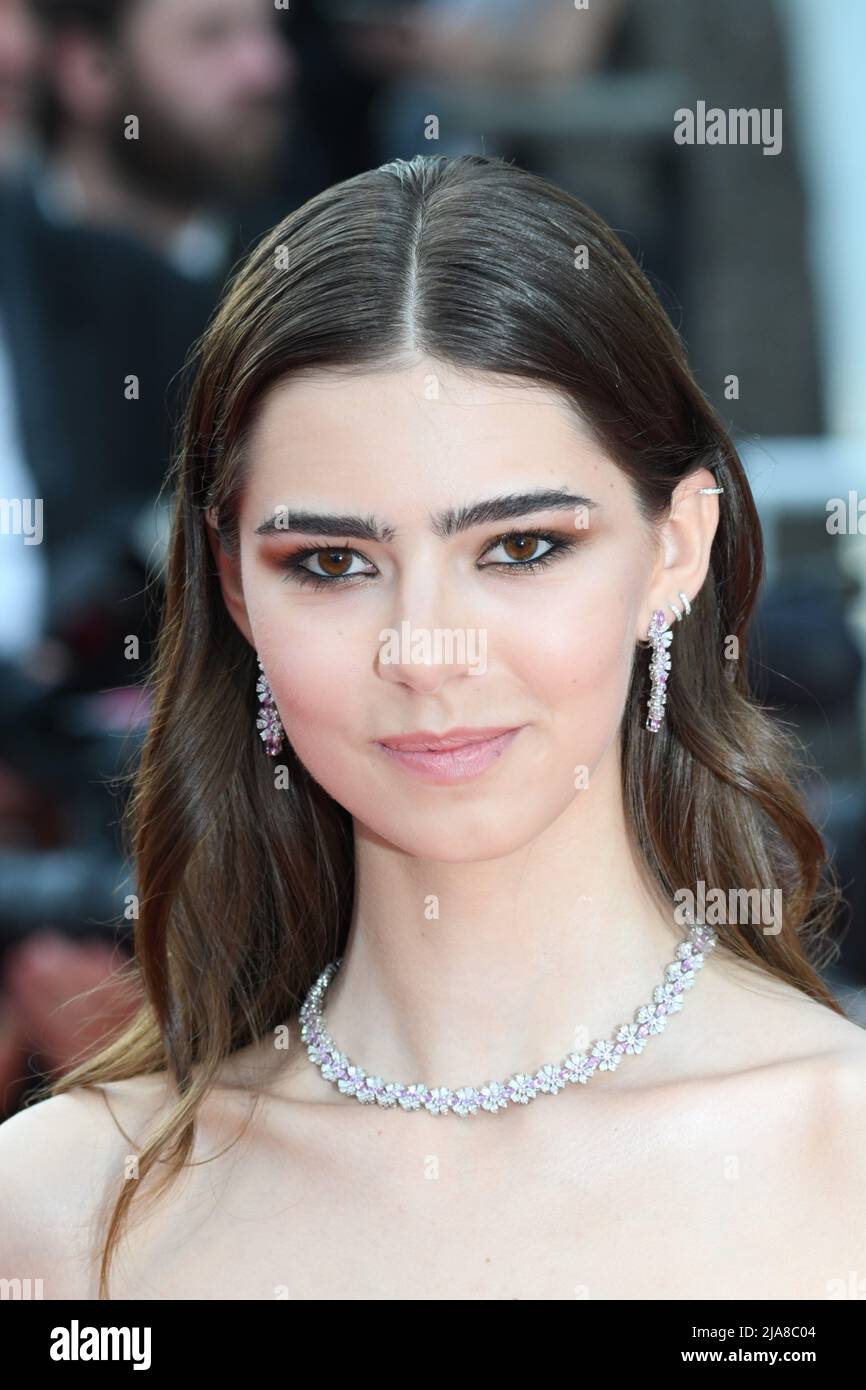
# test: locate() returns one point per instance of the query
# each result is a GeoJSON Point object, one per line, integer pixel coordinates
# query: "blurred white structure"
{"type": "Point", "coordinates": [827, 43]}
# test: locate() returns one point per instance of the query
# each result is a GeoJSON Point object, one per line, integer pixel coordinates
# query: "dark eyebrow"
{"type": "Point", "coordinates": [447, 523]}
{"type": "Point", "coordinates": [515, 504]}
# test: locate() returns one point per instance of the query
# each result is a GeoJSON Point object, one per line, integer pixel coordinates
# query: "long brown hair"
{"type": "Point", "coordinates": [245, 896]}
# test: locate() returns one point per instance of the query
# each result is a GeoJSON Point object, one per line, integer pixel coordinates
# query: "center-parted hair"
{"type": "Point", "coordinates": [245, 891]}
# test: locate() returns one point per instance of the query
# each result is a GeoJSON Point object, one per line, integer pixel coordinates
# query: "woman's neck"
{"type": "Point", "coordinates": [459, 973]}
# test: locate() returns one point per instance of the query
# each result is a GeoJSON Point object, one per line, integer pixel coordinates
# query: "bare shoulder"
{"type": "Point", "coordinates": [779, 1046]}
{"type": "Point", "coordinates": [767, 1021]}
{"type": "Point", "coordinates": [842, 1136]}
{"type": "Point", "coordinates": [809, 1064]}
{"type": "Point", "coordinates": [834, 1164]}
{"type": "Point", "coordinates": [60, 1159]}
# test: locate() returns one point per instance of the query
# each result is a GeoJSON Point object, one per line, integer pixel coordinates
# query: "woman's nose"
{"type": "Point", "coordinates": [423, 657]}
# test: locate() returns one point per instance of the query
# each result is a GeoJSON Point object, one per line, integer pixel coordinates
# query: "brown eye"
{"type": "Point", "coordinates": [325, 568]}
{"type": "Point", "coordinates": [522, 546]}
{"type": "Point", "coordinates": [334, 561]}
{"type": "Point", "coordinates": [520, 553]}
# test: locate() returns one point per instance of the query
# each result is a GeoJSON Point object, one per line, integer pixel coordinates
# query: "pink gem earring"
{"type": "Point", "coordinates": [268, 722]}
{"type": "Point", "coordinates": [660, 638]}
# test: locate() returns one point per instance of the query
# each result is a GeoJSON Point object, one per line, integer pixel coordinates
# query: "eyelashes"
{"type": "Point", "coordinates": [560, 543]}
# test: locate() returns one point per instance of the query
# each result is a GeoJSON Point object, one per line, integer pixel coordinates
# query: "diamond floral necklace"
{"type": "Point", "coordinates": [605, 1055]}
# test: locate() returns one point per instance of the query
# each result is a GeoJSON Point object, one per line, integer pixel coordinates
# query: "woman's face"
{"type": "Point", "coordinates": [440, 624]}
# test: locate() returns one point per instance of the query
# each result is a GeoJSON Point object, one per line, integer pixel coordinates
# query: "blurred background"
{"type": "Point", "coordinates": [145, 145]}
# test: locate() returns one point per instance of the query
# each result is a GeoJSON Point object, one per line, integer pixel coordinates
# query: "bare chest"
{"type": "Point", "coordinates": [694, 1203]}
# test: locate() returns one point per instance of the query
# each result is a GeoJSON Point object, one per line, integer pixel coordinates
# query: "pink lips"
{"type": "Point", "coordinates": [452, 757]}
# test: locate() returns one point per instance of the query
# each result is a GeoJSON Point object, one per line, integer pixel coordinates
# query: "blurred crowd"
{"type": "Point", "coordinates": [144, 146]}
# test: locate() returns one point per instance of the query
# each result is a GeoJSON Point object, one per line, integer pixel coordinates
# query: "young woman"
{"type": "Point", "coordinates": [478, 908]}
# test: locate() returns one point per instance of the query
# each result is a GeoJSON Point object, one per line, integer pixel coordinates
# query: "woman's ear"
{"type": "Point", "coordinates": [685, 541]}
{"type": "Point", "coordinates": [229, 571]}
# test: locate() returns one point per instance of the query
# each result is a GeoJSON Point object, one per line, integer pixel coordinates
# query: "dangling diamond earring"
{"type": "Point", "coordinates": [268, 721]}
{"type": "Point", "coordinates": [660, 638]}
